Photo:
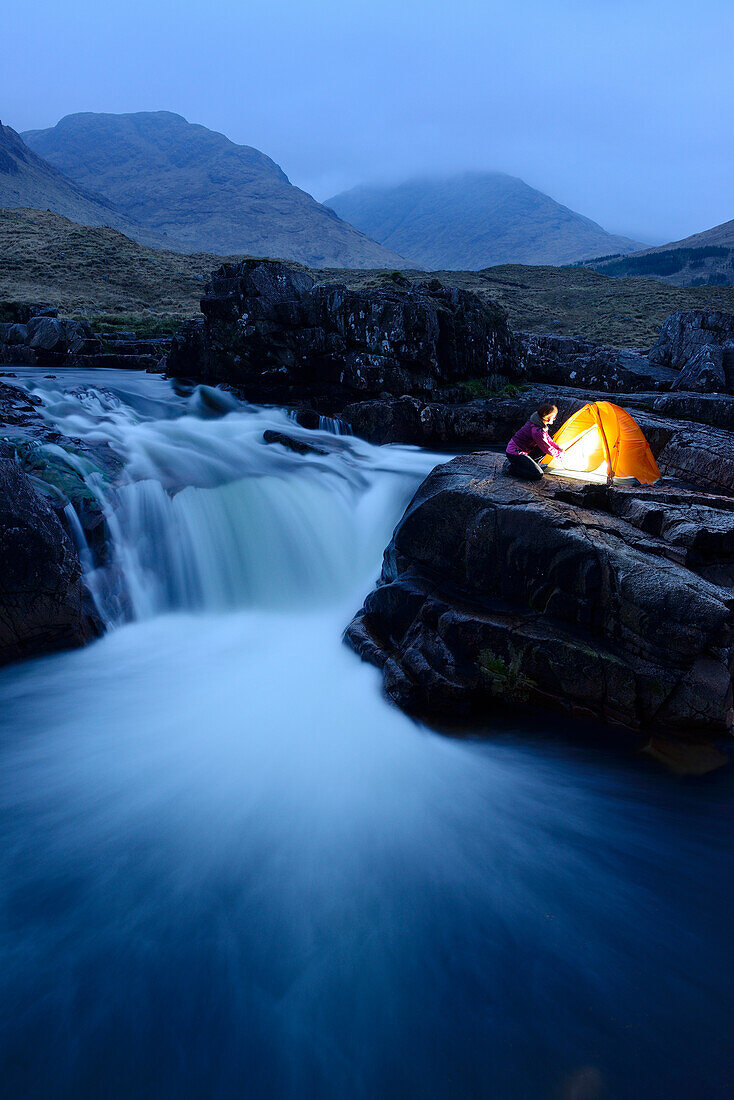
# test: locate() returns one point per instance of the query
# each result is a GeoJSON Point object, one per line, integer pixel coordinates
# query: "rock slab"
{"type": "Point", "coordinates": [611, 603]}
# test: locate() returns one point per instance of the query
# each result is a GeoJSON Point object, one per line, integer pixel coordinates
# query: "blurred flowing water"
{"type": "Point", "coordinates": [231, 869]}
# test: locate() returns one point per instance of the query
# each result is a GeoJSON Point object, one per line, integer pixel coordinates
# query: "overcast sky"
{"type": "Point", "coordinates": [621, 109]}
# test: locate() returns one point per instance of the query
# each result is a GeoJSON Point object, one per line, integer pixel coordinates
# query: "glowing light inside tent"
{"type": "Point", "coordinates": [600, 440]}
{"type": "Point", "coordinates": [578, 456]}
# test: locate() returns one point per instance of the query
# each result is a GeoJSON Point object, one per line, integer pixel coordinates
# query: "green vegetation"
{"type": "Point", "coordinates": [490, 387]}
{"type": "Point", "coordinates": [146, 322]}
{"type": "Point", "coordinates": [669, 262]}
{"type": "Point", "coordinates": [505, 679]}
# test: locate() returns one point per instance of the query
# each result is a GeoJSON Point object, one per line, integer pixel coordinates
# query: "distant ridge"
{"type": "Point", "coordinates": [202, 190]}
{"type": "Point", "coordinates": [26, 180]}
{"type": "Point", "coordinates": [703, 259]}
{"type": "Point", "coordinates": [475, 220]}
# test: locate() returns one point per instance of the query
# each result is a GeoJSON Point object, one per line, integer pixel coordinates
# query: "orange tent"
{"type": "Point", "coordinates": [603, 440]}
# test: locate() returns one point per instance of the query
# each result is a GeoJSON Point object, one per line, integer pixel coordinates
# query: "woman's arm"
{"type": "Point", "coordinates": [544, 442]}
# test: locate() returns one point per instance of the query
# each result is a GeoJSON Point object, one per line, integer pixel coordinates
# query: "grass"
{"type": "Point", "coordinates": [485, 387]}
{"type": "Point", "coordinates": [118, 284]}
{"type": "Point", "coordinates": [152, 324]}
{"type": "Point", "coordinates": [575, 301]}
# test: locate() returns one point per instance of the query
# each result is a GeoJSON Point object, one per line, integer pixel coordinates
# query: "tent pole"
{"type": "Point", "coordinates": [610, 470]}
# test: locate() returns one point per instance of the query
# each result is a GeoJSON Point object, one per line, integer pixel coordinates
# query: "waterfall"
{"type": "Point", "coordinates": [334, 425]}
{"type": "Point", "coordinates": [206, 517]}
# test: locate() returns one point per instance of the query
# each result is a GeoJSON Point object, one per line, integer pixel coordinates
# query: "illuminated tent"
{"type": "Point", "coordinates": [602, 440]}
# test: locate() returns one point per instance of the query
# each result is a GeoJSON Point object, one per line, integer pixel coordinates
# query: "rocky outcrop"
{"type": "Point", "coordinates": [686, 432]}
{"type": "Point", "coordinates": [700, 345]}
{"type": "Point", "coordinates": [490, 421]}
{"type": "Point", "coordinates": [46, 341]}
{"type": "Point", "coordinates": [43, 339]}
{"type": "Point", "coordinates": [612, 603]}
{"type": "Point", "coordinates": [42, 602]}
{"type": "Point", "coordinates": [566, 361]}
{"type": "Point", "coordinates": [278, 336]}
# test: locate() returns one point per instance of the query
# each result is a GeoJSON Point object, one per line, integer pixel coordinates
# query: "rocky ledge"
{"type": "Point", "coordinates": [37, 336]}
{"type": "Point", "coordinates": [610, 603]}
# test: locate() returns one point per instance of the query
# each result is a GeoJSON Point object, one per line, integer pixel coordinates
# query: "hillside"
{"type": "Point", "coordinates": [26, 180]}
{"type": "Point", "coordinates": [703, 259]}
{"type": "Point", "coordinates": [474, 220]}
{"type": "Point", "coordinates": [201, 190]}
{"type": "Point", "coordinates": [44, 257]}
{"type": "Point", "coordinates": [100, 273]}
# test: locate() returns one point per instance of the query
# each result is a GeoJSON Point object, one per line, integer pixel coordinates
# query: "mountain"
{"type": "Point", "coordinates": [474, 220]}
{"type": "Point", "coordinates": [198, 187]}
{"type": "Point", "coordinates": [721, 236]}
{"type": "Point", "coordinates": [703, 259]}
{"type": "Point", "coordinates": [26, 180]}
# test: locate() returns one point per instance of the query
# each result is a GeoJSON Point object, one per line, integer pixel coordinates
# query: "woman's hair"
{"type": "Point", "coordinates": [546, 408]}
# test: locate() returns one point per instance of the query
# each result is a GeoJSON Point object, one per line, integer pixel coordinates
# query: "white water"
{"type": "Point", "coordinates": [232, 869]}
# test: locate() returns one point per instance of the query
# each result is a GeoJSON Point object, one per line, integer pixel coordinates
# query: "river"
{"type": "Point", "coordinates": [231, 869]}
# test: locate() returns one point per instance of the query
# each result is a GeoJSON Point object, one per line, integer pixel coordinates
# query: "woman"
{"type": "Point", "coordinates": [533, 434]}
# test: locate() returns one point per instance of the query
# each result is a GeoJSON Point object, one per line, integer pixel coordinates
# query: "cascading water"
{"type": "Point", "coordinates": [230, 868]}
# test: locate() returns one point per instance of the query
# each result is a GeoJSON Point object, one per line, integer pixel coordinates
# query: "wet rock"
{"type": "Point", "coordinates": [42, 605]}
{"type": "Point", "coordinates": [614, 603]}
{"type": "Point", "coordinates": [300, 446]}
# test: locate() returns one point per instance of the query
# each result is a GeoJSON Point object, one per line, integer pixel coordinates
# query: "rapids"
{"type": "Point", "coordinates": [231, 869]}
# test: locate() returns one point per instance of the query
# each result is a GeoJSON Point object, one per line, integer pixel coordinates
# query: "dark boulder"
{"type": "Point", "coordinates": [613, 603]}
{"type": "Point", "coordinates": [46, 333]}
{"type": "Point", "coordinates": [705, 372]}
{"type": "Point", "coordinates": [298, 446]}
{"type": "Point", "coordinates": [566, 361]}
{"type": "Point", "coordinates": [42, 601]}
{"type": "Point", "coordinates": [477, 423]}
{"type": "Point", "coordinates": [699, 344]}
{"type": "Point", "coordinates": [273, 332]}
{"type": "Point", "coordinates": [46, 341]}
{"type": "Point", "coordinates": [699, 455]}
{"type": "Point", "coordinates": [16, 334]}
{"type": "Point", "coordinates": [684, 333]}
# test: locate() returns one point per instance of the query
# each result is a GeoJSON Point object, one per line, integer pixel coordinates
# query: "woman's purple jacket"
{"type": "Point", "coordinates": [529, 436]}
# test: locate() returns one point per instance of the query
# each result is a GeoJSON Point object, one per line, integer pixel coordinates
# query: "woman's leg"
{"type": "Point", "coordinates": [525, 467]}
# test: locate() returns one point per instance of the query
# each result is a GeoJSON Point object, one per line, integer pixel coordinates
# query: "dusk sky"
{"type": "Point", "coordinates": [618, 108]}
